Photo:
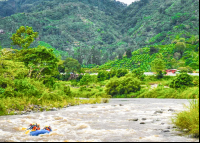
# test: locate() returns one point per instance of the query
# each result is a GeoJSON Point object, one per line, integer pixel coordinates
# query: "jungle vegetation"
{"type": "Point", "coordinates": [96, 31]}
{"type": "Point", "coordinates": [49, 48]}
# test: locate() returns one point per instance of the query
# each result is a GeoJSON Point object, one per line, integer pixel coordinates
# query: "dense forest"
{"type": "Point", "coordinates": [94, 32]}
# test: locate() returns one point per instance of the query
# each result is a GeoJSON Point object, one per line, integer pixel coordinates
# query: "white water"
{"type": "Point", "coordinates": [101, 123]}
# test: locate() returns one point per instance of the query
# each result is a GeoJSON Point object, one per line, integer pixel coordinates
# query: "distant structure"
{"type": "Point", "coordinates": [2, 31]}
{"type": "Point", "coordinates": [171, 71]}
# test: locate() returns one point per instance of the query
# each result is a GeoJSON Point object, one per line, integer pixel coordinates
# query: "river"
{"type": "Point", "coordinates": [120, 120]}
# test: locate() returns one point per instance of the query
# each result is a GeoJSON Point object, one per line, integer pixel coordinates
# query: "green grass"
{"type": "Point", "coordinates": [188, 120]}
{"type": "Point", "coordinates": [9, 105]}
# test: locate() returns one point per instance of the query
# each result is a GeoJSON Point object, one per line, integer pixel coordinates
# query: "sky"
{"type": "Point", "coordinates": [127, 1]}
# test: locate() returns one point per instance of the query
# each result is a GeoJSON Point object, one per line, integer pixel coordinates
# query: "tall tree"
{"type": "Point", "coordinates": [158, 65]}
{"type": "Point", "coordinates": [72, 65]}
{"type": "Point", "coordinates": [24, 37]}
{"type": "Point", "coordinates": [41, 61]}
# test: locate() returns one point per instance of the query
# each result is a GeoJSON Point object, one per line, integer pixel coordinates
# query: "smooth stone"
{"type": "Point", "coordinates": [136, 119]}
{"type": "Point", "coordinates": [158, 112]}
{"type": "Point", "coordinates": [121, 105]}
{"type": "Point", "coordinates": [142, 123]}
{"type": "Point", "coordinates": [165, 131]}
{"type": "Point", "coordinates": [144, 118]}
{"type": "Point", "coordinates": [172, 110]}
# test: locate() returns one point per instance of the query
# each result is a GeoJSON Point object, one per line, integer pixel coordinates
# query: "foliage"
{"type": "Point", "coordinates": [107, 29]}
{"type": "Point", "coordinates": [158, 65]}
{"type": "Point", "coordinates": [189, 120]}
{"type": "Point", "coordinates": [102, 75]}
{"type": "Point", "coordinates": [40, 61]}
{"type": "Point", "coordinates": [72, 65]}
{"type": "Point", "coordinates": [124, 85]}
{"type": "Point", "coordinates": [121, 72]}
{"type": "Point", "coordinates": [112, 73]}
{"type": "Point", "coordinates": [181, 81]}
{"type": "Point", "coordinates": [86, 79]}
{"type": "Point", "coordinates": [24, 37]}
{"type": "Point", "coordinates": [139, 73]}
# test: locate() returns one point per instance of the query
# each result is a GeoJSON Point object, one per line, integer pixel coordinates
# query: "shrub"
{"type": "Point", "coordinates": [62, 77]}
{"type": "Point", "coordinates": [102, 75]}
{"type": "Point", "coordinates": [85, 79]}
{"type": "Point", "coordinates": [121, 73]}
{"type": "Point", "coordinates": [112, 73]}
{"type": "Point", "coordinates": [139, 73]}
{"type": "Point", "coordinates": [3, 83]}
{"type": "Point", "coordinates": [196, 80]}
{"type": "Point", "coordinates": [79, 78]}
{"type": "Point", "coordinates": [189, 119]}
{"type": "Point", "coordinates": [49, 82]}
{"type": "Point", "coordinates": [123, 85]}
{"type": "Point", "coordinates": [74, 83]}
{"type": "Point", "coordinates": [181, 81]}
{"type": "Point", "coordinates": [67, 90]}
{"type": "Point", "coordinates": [2, 90]}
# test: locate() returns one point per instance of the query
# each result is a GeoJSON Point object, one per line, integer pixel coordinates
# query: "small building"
{"type": "Point", "coordinates": [149, 73]}
{"type": "Point", "coordinates": [171, 71]}
{"type": "Point", "coordinates": [2, 31]}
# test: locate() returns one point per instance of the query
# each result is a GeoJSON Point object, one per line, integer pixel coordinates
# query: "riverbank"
{"type": "Point", "coordinates": [27, 107]}
{"type": "Point", "coordinates": [120, 120]}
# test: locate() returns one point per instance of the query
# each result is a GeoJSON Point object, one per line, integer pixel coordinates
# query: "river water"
{"type": "Point", "coordinates": [106, 122]}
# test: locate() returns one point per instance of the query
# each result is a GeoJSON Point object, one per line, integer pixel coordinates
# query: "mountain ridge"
{"type": "Point", "coordinates": [97, 31]}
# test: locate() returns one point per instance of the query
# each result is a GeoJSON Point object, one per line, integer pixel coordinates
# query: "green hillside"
{"type": "Point", "coordinates": [174, 56]}
{"type": "Point", "coordinates": [96, 31]}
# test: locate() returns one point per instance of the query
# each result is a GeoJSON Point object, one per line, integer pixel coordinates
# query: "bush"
{"type": "Point", "coordinates": [121, 73]}
{"type": "Point", "coordinates": [196, 80]}
{"type": "Point", "coordinates": [49, 82]}
{"type": "Point", "coordinates": [102, 75]}
{"type": "Point", "coordinates": [85, 79]}
{"type": "Point", "coordinates": [79, 78]}
{"type": "Point", "coordinates": [181, 81]}
{"type": "Point", "coordinates": [4, 82]}
{"type": "Point", "coordinates": [2, 90]}
{"type": "Point", "coordinates": [112, 73]}
{"type": "Point", "coordinates": [123, 85]}
{"type": "Point", "coordinates": [189, 119]}
{"type": "Point", "coordinates": [139, 73]}
{"type": "Point", "coordinates": [74, 83]}
{"type": "Point", "coordinates": [62, 77]}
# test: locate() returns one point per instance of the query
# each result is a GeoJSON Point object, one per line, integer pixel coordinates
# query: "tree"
{"type": "Point", "coordinates": [153, 50]}
{"type": "Point", "coordinates": [128, 53]}
{"type": "Point", "coordinates": [158, 65]}
{"type": "Point", "coordinates": [40, 61]}
{"type": "Point", "coordinates": [180, 45]}
{"type": "Point", "coordinates": [72, 65]}
{"type": "Point", "coordinates": [24, 37]}
{"type": "Point", "coordinates": [9, 67]}
{"type": "Point", "coordinates": [102, 75]}
{"type": "Point", "coordinates": [181, 81]}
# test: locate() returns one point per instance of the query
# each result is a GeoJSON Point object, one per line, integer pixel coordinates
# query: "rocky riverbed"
{"type": "Point", "coordinates": [134, 120]}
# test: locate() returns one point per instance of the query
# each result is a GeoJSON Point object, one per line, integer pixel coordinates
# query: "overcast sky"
{"type": "Point", "coordinates": [127, 1]}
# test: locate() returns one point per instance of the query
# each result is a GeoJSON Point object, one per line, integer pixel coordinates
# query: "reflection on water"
{"type": "Point", "coordinates": [101, 123]}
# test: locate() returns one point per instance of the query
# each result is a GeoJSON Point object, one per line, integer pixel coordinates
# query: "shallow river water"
{"type": "Point", "coordinates": [108, 122]}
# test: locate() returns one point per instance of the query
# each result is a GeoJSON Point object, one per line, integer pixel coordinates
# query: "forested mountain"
{"type": "Point", "coordinates": [95, 31]}
{"type": "Point", "coordinates": [157, 21]}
